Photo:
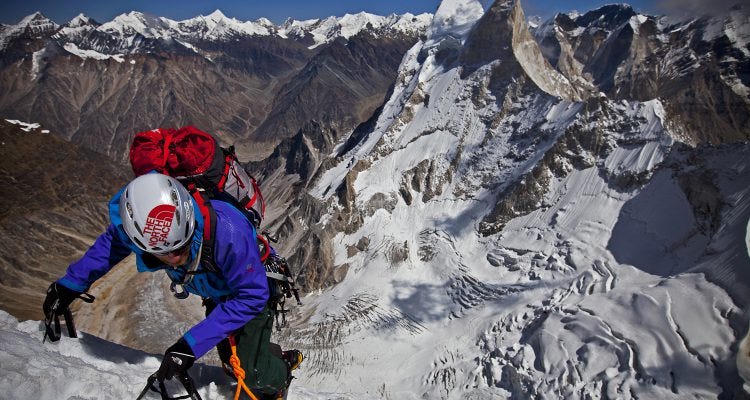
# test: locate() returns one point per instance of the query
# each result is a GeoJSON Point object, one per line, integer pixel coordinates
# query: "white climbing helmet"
{"type": "Point", "coordinates": [157, 213]}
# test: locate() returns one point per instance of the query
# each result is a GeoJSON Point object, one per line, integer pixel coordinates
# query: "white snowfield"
{"type": "Point", "coordinates": [743, 352]}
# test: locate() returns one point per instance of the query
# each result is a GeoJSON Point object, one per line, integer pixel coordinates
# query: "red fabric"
{"type": "Point", "coordinates": [192, 153]}
{"type": "Point", "coordinates": [205, 212]}
{"type": "Point", "coordinates": [258, 194]}
{"type": "Point", "coordinates": [186, 151]}
{"type": "Point", "coordinates": [225, 174]}
{"type": "Point", "coordinates": [147, 152]}
{"type": "Point", "coordinates": [266, 247]}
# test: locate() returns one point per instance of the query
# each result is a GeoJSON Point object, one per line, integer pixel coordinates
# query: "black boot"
{"type": "Point", "coordinates": [292, 358]}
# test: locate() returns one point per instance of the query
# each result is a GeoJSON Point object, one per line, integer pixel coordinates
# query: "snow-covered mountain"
{"type": "Point", "coordinates": [504, 238]}
{"type": "Point", "coordinates": [131, 29]}
{"type": "Point", "coordinates": [34, 25]}
{"type": "Point", "coordinates": [555, 213]}
{"type": "Point", "coordinates": [688, 64]}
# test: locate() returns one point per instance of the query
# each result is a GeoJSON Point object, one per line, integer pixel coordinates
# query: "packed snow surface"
{"type": "Point", "coordinates": [91, 368]}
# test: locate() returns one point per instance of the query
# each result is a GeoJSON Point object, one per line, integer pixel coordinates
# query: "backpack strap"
{"type": "Point", "coordinates": [209, 230]}
{"type": "Point", "coordinates": [228, 158]}
{"type": "Point", "coordinates": [209, 227]}
{"type": "Point", "coordinates": [266, 248]}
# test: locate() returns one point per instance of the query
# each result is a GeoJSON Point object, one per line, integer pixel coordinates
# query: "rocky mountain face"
{"type": "Point", "coordinates": [54, 197]}
{"type": "Point", "coordinates": [550, 64]}
{"type": "Point", "coordinates": [699, 67]}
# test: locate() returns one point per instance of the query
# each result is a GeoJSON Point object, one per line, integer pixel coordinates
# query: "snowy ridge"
{"type": "Point", "coordinates": [130, 29]}
{"type": "Point", "coordinates": [454, 20]}
{"type": "Point", "coordinates": [216, 26]}
{"type": "Point", "coordinates": [134, 22]}
{"type": "Point", "coordinates": [326, 30]}
{"type": "Point", "coordinates": [91, 54]}
{"type": "Point", "coordinates": [80, 20]}
{"type": "Point", "coordinates": [35, 24]}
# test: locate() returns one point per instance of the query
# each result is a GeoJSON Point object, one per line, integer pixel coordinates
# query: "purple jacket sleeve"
{"type": "Point", "coordinates": [238, 258]}
{"type": "Point", "coordinates": [105, 253]}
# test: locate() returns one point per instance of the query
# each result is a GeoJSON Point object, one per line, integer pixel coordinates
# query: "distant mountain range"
{"type": "Point", "coordinates": [255, 82]}
{"type": "Point", "coordinates": [84, 31]}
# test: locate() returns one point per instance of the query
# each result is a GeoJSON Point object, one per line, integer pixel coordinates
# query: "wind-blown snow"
{"type": "Point", "coordinates": [453, 18]}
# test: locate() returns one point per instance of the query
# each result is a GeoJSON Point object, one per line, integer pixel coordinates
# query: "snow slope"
{"type": "Point", "coordinates": [92, 368]}
{"type": "Point", "coordinates": [34, 24]}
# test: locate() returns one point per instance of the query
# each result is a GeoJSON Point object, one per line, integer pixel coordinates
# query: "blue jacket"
{"type": "Point", "coordinates": [240, 289]}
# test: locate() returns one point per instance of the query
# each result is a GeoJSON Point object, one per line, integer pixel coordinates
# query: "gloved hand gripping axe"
{"type": "Point", "coordinates": [57, 303]}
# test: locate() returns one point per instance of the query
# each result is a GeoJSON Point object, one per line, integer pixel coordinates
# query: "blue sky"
{"type": "Point", "coordinates": [61, 11]}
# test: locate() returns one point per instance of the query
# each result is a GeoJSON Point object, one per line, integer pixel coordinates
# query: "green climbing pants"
{"type": "Point", "coordinates": [265, 372]}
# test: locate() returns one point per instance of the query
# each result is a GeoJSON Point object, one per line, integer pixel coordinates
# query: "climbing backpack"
{"type": "Point", "coordinates": [206, 169]}
{"type": "Point", "coordinates": [209, 171]}
{"type": "Point", "coordinates": [195, 158]}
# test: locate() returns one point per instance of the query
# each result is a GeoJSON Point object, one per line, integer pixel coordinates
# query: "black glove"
{"type": "Point", "coordinates": [58, 299]}
{"type": "Point", "coordinates": [177, 360]}
{"type": "Point", "coordinates": [55, 304]}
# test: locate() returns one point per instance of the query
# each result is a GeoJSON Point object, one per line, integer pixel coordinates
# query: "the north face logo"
{"type": "Point", "coordinates": [158, 224]}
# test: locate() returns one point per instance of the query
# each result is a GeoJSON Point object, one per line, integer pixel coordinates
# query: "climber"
{"type": "Point", "coordinates": [155, 217]}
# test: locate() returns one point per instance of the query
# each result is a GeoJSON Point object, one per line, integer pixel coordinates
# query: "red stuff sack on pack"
{"type": "Point", "coordinates": [195, 158]}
